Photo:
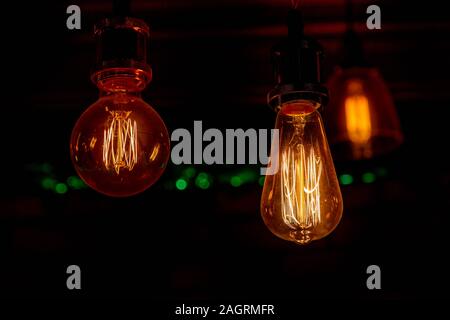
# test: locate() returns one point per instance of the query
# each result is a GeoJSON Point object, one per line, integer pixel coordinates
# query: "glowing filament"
{"type": "Point", "coordinates": [357, 115]}
{"type": "Point", "coordinates": [120, 142]}
{"type": "Point", "coordinates": [300, 195]}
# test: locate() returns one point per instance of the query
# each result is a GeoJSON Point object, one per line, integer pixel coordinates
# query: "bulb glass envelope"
{"type": "Point", "coordinates": [120, 145]}
{"type": "Point", "coordinates": [361, 118]}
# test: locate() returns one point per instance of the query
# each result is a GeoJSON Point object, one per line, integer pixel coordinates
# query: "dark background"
{"type": "Point", "coordinates": [211, 62]}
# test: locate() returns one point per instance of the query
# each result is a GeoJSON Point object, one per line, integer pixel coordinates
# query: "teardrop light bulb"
{"type": "Point", "coordinates": [302, 201]}
{"type": "Point", "coordinates": [120, 145]}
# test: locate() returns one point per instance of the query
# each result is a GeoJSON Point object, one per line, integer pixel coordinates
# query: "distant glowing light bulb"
{"type": "Point", "coordinates": [120, 145]}
{"type": "Point", "coordinates": [361, 118]}
{"type": "Point", "coordinates": [357, 114]}
{"type": "Point", "coordinates": [302, 202]}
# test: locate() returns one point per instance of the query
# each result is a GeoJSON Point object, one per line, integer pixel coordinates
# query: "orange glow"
{"type": "Point", "coordinates": [120, 142]}
{"type": "Point", "coordinates": [362, 121]}
{"type": "Point", "coordinates": [300, 193]}
{"type": "Point", "coordinates": [120, 146]}
{"type": "Point", "coordinates": [302, 202]}
{"type": "Point", "coordinates": [357, 114]}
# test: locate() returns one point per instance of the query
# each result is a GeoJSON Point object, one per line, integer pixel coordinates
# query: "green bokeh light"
{"type": "Point", "coordinates": [181, 184]}
{"type": "Point", "coordinates": [61, 188]}
{"type": "Point", "coordinates": [203, 181]}
{"type": "Point", "coordinates": [75, 182]}
{"type": "Point", "coordinates": [261, 180]}
{"type": "Point", "coordinates": [48, 183]}
{"type": "Point", "coordinates": [346, 179]}
{"type": "Point", "coordinates": [189, 172]}
{"type": "Point", "coordinates": [368, 177]}
{"type": "Point", "coordinates": [235, 181]}
{"type": "Point", "coordinates": [248, 176]}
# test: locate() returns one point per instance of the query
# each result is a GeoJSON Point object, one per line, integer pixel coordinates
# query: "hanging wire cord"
{"type": "Point", "coordinates": [297, 64]}
{"type": "Point", "coordinates": [295, 38]}
{"type": "Point", "coordinates": [121, 8]}
{"type": "Point", "coordinates": [353, 53]}
{"type": "Point", "coordinates": [349, 17]}
{"type": "Point", "coordinates": [295, 25]}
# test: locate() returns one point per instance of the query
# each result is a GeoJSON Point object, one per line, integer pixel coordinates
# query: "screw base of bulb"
{"type": "Point", "coordinates": [130, 79]}
{"type": "Point", "coordinates": [290, 92]}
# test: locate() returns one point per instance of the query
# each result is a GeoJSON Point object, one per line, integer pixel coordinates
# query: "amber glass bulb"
{"type": "Point", "coordinates": [361, 118]}
{"type": "Point", "coordinates": [120, 145]}
{"type": "Point", "coordinates": [302, 201]}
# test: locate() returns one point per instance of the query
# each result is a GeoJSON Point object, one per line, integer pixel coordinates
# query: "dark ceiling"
{"type": "Point", "coordinates": [211, 62]}
{"type": "Point", "coordinates": [234, 37]}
